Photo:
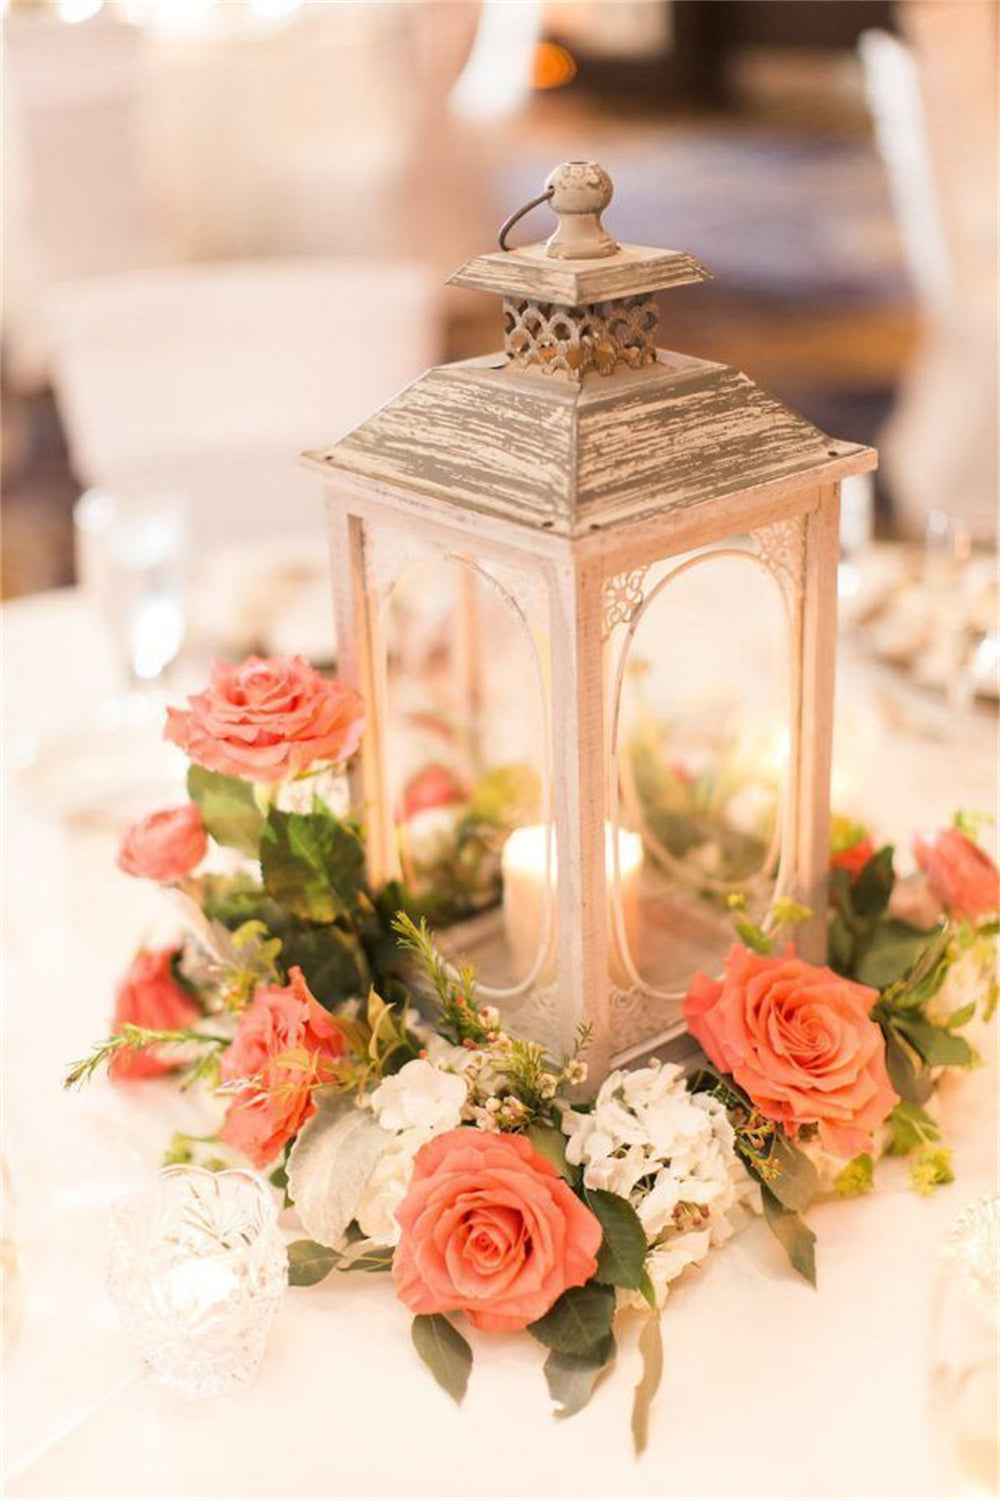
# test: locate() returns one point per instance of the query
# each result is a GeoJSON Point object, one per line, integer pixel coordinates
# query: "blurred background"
{"type": "Point", "coordinates": [227, 224]}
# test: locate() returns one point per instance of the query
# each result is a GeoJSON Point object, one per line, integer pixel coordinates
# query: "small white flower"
{"type": "Point", "coordinates": [420, 1096]}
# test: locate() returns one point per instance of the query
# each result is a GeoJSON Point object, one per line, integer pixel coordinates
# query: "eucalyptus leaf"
{"type": "Point", "coordinates": [444, 1351]}
{"type": "Point", "coordinates": [579, 1321]}
{"type": "Point", "coordinates": [329, 1167]}
{"type": "Point", "coordinates": [797, 1181]}
{"type": "Point", "coordinates": [796, 1238]}
{"type": "Point", "coordinates": [573, 1378]}
{"type": "Point", "coordinates": [938, 1047]}
{"type": "Point", "coordinates": [911, 1080]}
{"type": "Point", "coordinates": [651, 1350]}
{"type": "Point", "coordinates": [622, 1256]}
{"type": "Point", "coordinates": [309, 1263]}
{"type": "Point", "coordinates": [228, 809]}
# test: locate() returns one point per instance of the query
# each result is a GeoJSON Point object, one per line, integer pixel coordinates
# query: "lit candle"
{"type": "Point", "coordinates": [524, 898]}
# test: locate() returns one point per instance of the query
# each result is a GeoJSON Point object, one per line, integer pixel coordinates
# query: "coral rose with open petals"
{"type": "Point", "coordinates": [800, 1040]}
{"type": "Point", "coordinates": [961, 873]}
{"type": "Point", "coordinates": [164, 846]}
{"type": "Point", "coordinates": [489, 1228]}
{"type": "Point", "coordinates": [267, 720]}
{"type": "Point", "coordinates": [284, 1049]}
{"type": "Point", "coordinates": [150, 996]}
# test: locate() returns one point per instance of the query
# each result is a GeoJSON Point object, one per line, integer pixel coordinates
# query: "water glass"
{"type": "Point", "coordinates": [132, 559]}
{"type": "Point", "coordinates": [198, 1268]}
{"type": "Point", "coordinates": [965, 1368]}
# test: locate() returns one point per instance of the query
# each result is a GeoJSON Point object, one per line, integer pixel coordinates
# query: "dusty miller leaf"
{"type": "Point", "coordinates": [329, 1167]}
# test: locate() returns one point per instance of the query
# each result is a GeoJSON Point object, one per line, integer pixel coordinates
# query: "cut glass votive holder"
{"type": "Point", "coordinates": [198, 1268]}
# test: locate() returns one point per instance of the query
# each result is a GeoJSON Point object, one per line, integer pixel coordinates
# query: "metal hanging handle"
{"type": "Point", "coordinates": [518, 215]}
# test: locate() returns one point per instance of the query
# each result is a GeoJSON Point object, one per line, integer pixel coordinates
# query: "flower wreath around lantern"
{"type": "Point", "coordinates": [414, 1135]}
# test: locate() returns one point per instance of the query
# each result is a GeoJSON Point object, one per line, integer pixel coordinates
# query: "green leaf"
{"type": "Point", "coordinates": [753, 936]}
{"type": "Point", "coordinates": [910, 1127]}
{"type": "Point", "coordinates": [309, 1262]}
{"type": "Point", "coordinates": [551, 1143]}
{"type": "Point", "coordinates": [332, 960]}
{"type": "Point", "coordinates": [797, 1181]}
{"type": "Point", "coordinates": [931, 1168]}
{"type": "Point", "coordinates": [911, 1080]}
{"type": "Point", "coordinates": [312, 863]}
{"type": "Point", "coordinates": [444, 1351]}
{"type": "Point", "coordinates": [873, 887]}
{"type": "Point", "coordinates": [651, 1350]}
{"type": "Point", "coordinates": [228, 809]}
{"type": "Point", "coordinates": [647, 1289]}
{"type": "Point", "coordinates": [938, 1047]}
{"type": "Point", "coordinates": [372, 1259]}
{"type": "Point", "coordinates": [573, 1378]}
{"type": "Point", "coordinates": [894, 950]}
{"type": "Point", "coordinates": [622, 1256]}
{"type": "Point", "coordinates": [796, 1239]}
{"type": "Point", "coordinates": [961, 1017]}
{"type": "Point", "coordinates": [856, 1178]}
{"type": "Point", "coordinates": [579, 1322]}
{"type": "Point", "coordinates": [840, 945]}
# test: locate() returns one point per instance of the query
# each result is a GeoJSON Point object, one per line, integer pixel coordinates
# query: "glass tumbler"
{"type": "Point", "coordinates": [198, 1267]}
{"type": "Point", "coordinates": [964, 1386]}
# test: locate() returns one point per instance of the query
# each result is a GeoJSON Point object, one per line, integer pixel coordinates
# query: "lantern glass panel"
{"type": "Point", "coordinates": [701, 741]}
{"type": "Point", "coordinates": [468, 761]}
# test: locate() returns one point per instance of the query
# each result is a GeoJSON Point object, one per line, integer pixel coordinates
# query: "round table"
{"type": "Point", "coordinates": [769, 1389]}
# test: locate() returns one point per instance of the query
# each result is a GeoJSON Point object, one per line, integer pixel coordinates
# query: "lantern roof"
{"type": "Point", "coordinates": [582, 422]}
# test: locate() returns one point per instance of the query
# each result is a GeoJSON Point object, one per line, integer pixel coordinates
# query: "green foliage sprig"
{"type": "Point", "coordinates": [200, 1067]}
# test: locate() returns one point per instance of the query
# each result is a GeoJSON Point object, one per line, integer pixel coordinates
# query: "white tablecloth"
{"type": "Point", "coordinates": [770, 1389]}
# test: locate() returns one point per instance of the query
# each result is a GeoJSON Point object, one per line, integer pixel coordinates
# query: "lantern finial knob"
{"type": "Point", "coordinates": [580, 192]}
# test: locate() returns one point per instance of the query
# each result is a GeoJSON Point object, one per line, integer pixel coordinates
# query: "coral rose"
{"type": "Point", "coordinates": [800, 1040]}
{"type": "Point", "coordinates": [267, 720]}
{"type": "Point", "coordinates": [284, 1049]}
{"type": "Point", "coordinates": [164, 846]}
{"type": "Point", "coordinates": [149, 995]}
{"type": "Point", "coordinates": [961, 873]}
{"type": "Point", "coordinates": [853, 858]}
{"type": "Point", "coordinates": [489, 1228]}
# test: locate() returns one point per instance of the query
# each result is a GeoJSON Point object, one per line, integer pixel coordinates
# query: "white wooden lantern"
{"type": "Point", "coordinates": [661, 538]}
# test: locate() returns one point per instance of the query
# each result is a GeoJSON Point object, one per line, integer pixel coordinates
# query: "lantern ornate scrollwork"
{"type": "Point", "coordinates": [588, 589]}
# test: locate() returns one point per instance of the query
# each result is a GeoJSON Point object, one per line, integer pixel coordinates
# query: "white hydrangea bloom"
{"type": "Point", "coordinates": [386, 1187]}
{"type": "Point", "coordinates": [671, 1154]}
{"type": "Point", "coordinates": [420, 1096]}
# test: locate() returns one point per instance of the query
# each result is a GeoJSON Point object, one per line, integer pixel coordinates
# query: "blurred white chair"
{"type": "Point", "coordinates": [934, 101]}
{"type": "Point", "coordinates": [209, 380]}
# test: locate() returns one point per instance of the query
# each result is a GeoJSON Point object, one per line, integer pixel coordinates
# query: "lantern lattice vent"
{"type": "Point", "coordinates": [598, 337]}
